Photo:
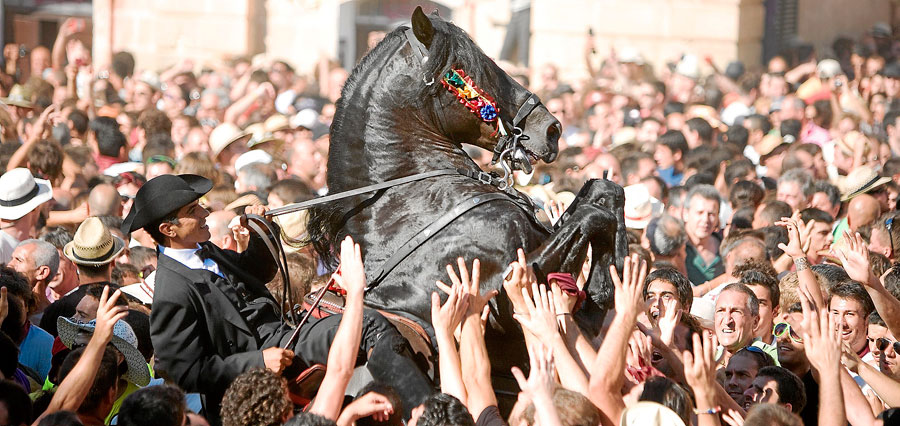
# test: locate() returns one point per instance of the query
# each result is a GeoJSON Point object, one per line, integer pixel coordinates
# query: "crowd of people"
{"type": "Point", "coordinates": [759, 287]}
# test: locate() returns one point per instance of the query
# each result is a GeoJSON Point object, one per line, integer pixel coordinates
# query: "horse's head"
{"type": "Point", "coordinates": [459, 71]}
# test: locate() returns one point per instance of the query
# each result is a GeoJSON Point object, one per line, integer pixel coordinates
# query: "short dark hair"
{"type": "Point", "coordinates": [791, 389]}
{"type": "Point", "coordinates": [682, 285]}
{"type": "Point", "coordinates": [161, 405]}
{"type": "Point", "coordinates": [855, 291]}
{"type": "Point", "coordinates": [110, 139]}
{"type": "Point", "coordinates": [154, 122]}
{"type": "Point", "coordinates": [702, 127]}
{"type": "Point", "coordinates": [745, 193]}
{"type": "Point", "coordinates": [123, 64]}
{"type": "Point", "coordinates": [106, 379]}
{"type": "Point", "coordinates": [756, 277]}
{"type": "Point", "coordinates": [738, 136]}
{"type": "Point", "coordinates": [152, 228]}
{"type": "Point", "coordinates": [17, 402]}
{"type": "Point", "coordinates": [830, 275]}
{"type": "Point", "coordinates": [815, 214]}
{"type": "Point", "coordinates": [831, 191]}
{"type": "Point", "coordinates": [758, 122]}
{"type": "Point", "coordinates": [79, 120]}
{"type": "Point", "coordinates": [631, 164]}
{"type": "Point", "coordinates": [665, 391]}
{"type": "Point", "coordinates": [442, 409]}
{"type": "Point", "coordinates": [738, 169]}
{"type": "Point", "coordinates": [57, 235]}
{"type": "Point", "coordinates": [876, 319]}
{"type": "Point", "coordinates": [774, 210]}
{"type": "Point", "coordinates": [890, 119]}
{"type": "Point", "coordinates": [674, 140]}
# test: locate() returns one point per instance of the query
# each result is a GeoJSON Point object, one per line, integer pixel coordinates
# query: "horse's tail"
{"type": "Point", "coordinates": [322, 228]}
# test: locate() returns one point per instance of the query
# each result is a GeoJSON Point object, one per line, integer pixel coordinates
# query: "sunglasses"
{"type": "Point", "coordinates": [781, 328]}
{"type": "Point", "coordinates": [882, 344]}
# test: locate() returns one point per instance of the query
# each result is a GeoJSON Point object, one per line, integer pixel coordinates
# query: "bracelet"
{"type": "Point", "coordinates": [714, 410]}
{"type": "Point", "coordinates": [801, 263]}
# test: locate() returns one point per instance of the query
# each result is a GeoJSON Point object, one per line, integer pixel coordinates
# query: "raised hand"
{"type": "Point", "coordinates": [371, 404]}
{"type": "Point", "coordinates": [541, 319]}
{"type": "Point", "coordinates": [541, 380]}
{"type": "Point", "coordinates": [108, 313]}
{"type": "Point", "coordinates": [700, 367]}
{"type": "Point", "coordinates": [447, 317]}
{"type": "Point", "coordinates": [854, 257]}
{"type": "Point", "coordinates": [629, 290]}
{"type": "Point", "coordinates": [798, 236]}
{"type": "Point", "coordinates": [518, 277]}
{"type": "Point", "coordinates": [821, 338]}
{"type": "Point", "coordinates": [554, 210]}
{"type": "Point", "coordinates": [470, 284]}
{"type": "Point", "coordinates": [352, 275]}
{"type": "Point", "coordinates": [668, 319]}
{"type": "Point", "coordinates": [277, 359]}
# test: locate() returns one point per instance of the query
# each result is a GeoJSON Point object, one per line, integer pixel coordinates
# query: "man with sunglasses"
{"type": "Point", "coordinates": [792, 356]}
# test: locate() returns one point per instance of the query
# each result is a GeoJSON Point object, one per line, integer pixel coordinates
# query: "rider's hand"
{"type": "Point", "coordinates": [258, 210]}
{"type": "Point", "coordinates": [277, 359]}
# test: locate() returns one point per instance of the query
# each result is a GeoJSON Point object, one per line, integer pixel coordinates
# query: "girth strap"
{"type": "Point", "coordinates": [425, 234]}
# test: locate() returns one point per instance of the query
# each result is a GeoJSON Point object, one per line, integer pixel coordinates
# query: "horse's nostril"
{"type": "Point", "coordinates": [553, 133]}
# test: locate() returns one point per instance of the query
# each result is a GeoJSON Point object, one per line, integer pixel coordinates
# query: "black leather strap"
{"type": "Point", "coordinates": [358, 191]}
{"type": "Point", "coordinates": [264, 229]}
{"type": "Point", "coordinates": [417, 47]}
{"type": "Point", "coordinates": [425, 234]}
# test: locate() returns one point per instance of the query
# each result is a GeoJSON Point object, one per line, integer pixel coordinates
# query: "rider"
{"type": "Point", "coordinates": [213, 317]}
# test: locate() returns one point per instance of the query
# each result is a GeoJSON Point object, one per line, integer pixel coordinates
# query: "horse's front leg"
{"type": "Point", "coordinates": [566, 249]}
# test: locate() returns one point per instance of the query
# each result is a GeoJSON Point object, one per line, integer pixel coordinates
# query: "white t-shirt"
{"type": "Point", "coordinates": [8, 243]}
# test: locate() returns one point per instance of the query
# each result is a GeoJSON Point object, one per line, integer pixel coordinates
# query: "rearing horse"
{"type": "Point", "coordinates": [397, 118]}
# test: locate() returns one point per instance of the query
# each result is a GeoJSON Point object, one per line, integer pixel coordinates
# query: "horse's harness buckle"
{"type": "Point", "coordinates": [485, 178]}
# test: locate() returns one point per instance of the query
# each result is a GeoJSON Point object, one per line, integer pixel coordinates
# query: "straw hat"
{"type": "Point", "coordinates": [640, 206]}
{"type": "Point", "coordinates": [93, 244]}
{"type": "Point", "coordinates": [19, 96]}
{"type": "Point", "coordinates": [123, 339]}
{"type": "Point", "coordinates": [769, 144]}
{"type": "Point", "coordinates": [861, 180]}
{"type": "Point", "coordinates": [223, 135]}
{"type": "Point", "coordinates": [261, 138]}
{"type": "Point", "coordinates": [20, 193]}
{"type": "Point", "coordinates": [277, 122]}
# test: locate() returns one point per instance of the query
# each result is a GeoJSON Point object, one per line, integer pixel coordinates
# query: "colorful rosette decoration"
{"type": "Point", "coordinates": [480, 103]}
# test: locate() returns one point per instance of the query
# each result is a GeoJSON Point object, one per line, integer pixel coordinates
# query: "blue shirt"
{"type": "Point", "coordinates": [35, 352]}
{"type": "Point", "coordinates": [670, 176]}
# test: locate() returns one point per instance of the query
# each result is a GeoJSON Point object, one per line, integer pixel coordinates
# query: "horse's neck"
{"type": "Point", "coordinates": [388, 144]}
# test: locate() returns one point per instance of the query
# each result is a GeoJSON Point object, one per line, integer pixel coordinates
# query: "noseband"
{"type": "Point", "coordinates": [508, 151]}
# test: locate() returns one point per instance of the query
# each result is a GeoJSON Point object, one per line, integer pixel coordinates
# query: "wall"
{"type": "Point", "coordinates": [820, 21]}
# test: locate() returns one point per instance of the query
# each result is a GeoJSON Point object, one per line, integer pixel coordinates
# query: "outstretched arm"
{"type": "Point", "coordinates": [446, 319]}
{"type": "Point", "coordinates": [473, 351]}
{"type": "Point", "coordinates": [75, 387]}
{"type": "Point", "coordinates": [796, 248]}
{"type": "Point", "coordinates": [823, 348]}
{"type": "Point", "coordinates": [606, 373]}
{"type": "Point", "coordinates": [345, 347]}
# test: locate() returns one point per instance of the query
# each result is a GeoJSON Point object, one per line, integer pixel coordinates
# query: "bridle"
{"type": "Point", "coordinates": [509, 151]}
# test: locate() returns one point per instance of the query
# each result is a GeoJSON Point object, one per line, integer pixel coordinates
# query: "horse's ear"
{"type": "Point", "coordinates": [422, 27]}
{"type": "Point", "coordinates": [436, 13]}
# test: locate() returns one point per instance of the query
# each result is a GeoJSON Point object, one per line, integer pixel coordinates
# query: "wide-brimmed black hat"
{"type": "Point", "coordinates": [163, 195]}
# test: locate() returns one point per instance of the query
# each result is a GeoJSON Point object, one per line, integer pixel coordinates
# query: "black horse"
{"type": "Point", "coordinates": [395, 119]}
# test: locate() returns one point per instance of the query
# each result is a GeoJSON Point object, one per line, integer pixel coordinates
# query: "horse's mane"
{"type": "Point", "coordinates": [450, 47]}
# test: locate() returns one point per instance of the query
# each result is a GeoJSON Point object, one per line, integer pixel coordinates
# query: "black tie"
{"type": "Point", "coordinates": [204, 252]}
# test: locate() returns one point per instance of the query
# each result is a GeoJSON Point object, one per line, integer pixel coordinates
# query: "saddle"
{"type": "Point", "coordinates": [304, 386]}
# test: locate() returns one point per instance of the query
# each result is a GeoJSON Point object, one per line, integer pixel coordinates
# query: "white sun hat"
{"type": "Point", "coordinates": [20, 193]}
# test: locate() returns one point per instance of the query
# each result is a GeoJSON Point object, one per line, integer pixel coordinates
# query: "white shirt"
{"type": "Point", "coordinates": [189, 258]}
{"type": "Point", "coordinates": [8, 243]}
